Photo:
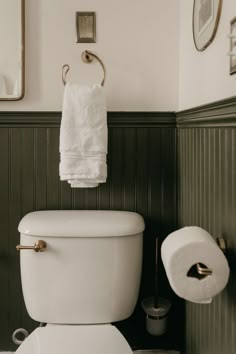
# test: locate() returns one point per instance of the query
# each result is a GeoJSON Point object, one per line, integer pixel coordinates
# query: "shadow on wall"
{"type": "Point", "coordinates": [231, 288]}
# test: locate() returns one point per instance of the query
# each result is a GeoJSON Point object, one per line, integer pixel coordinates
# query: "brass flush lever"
{"type": "Point", "coordinates": [39, 246]}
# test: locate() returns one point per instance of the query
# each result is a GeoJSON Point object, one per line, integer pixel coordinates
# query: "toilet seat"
{"type": "Point", "coordinates": [75, 339]}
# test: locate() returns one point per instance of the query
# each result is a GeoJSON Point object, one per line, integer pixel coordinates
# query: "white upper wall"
{"type": "Point", "coordinates": [137, 40]}
{"type": "Point", "coordinates": [204, 76]}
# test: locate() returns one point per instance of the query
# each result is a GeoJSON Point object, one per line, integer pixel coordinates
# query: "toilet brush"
{"type": "Point", "coordinates": [156, 287]}
{"type": "Point", "coordinates": [156, 308]}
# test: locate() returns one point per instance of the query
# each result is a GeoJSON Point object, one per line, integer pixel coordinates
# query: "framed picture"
{"type": "Point", "coordinates": [233, 47]}
{"type": "Point", "coordinates": [206, 16]}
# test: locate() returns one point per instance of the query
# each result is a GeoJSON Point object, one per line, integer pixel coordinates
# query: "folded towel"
{"type": "Point", "coordinates": [83, 136]}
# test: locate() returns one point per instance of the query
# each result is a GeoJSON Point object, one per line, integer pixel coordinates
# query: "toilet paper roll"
{"type": "Point", "coordinates": [183, 249]}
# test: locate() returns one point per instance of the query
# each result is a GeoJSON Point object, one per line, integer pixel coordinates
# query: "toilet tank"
{"type": "Point", "coordinates": [91, 268]}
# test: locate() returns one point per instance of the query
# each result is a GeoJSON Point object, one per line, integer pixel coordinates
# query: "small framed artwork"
{"type": "Point", "coordinates": [232, 53]}
{"type": "Point", "coordinates": [86, 27]}
{"type": "Point", "coordinates": [206, 16]}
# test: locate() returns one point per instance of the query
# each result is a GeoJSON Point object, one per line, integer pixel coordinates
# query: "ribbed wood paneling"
{"type": "Point", "coordinates": [141, 177]}
{"type": "Point", "coordinates": [207, 198]}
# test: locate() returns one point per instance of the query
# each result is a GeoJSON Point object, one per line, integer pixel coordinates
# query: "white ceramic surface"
{"type": "Point", "coordinates": [136, 352]}
{"type": "Point", "coordinates": [81, 223]}
{"type": "Point", "coordinates": [83, 280]}
{"type": "Point", "coordinates": [103, 339]}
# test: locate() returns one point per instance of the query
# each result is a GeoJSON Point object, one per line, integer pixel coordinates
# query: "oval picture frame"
{"type": "Point", "coordinates": [206, 16]}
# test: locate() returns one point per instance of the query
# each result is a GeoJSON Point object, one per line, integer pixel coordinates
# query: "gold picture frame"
{"type": "Point", "coordinates": [206, 16]}
{"type": "Point", "coordinates": [21, 31]}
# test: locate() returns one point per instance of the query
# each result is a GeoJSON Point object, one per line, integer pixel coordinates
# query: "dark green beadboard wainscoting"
{"type": "Point", "coordinates": [141, 177]}
{"type": "Point", "coordinates": [207, 198]}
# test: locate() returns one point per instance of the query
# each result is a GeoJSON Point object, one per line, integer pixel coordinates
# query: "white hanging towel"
{"type": "Point", "coordinates": [83, 136]}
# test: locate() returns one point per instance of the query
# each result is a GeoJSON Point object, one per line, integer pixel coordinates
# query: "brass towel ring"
{"type": "Point", "coordinates": [87, 57]}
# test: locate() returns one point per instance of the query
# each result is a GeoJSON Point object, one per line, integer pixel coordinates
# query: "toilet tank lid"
{"type": "Point", "coordinates": [81, 223]}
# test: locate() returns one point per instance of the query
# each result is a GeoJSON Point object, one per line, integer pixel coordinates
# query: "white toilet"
{"type": "Point", "coordinates": [87, 277]}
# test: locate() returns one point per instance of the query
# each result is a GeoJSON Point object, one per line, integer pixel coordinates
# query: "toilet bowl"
{"type": "Point", "coordinates": [87, 277]}
{"type": "Point", "coordinates": [74, 339]}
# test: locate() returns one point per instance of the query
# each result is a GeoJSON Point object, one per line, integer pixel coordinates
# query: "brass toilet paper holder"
{"type": "Point", "coordinates": [203, 270]}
